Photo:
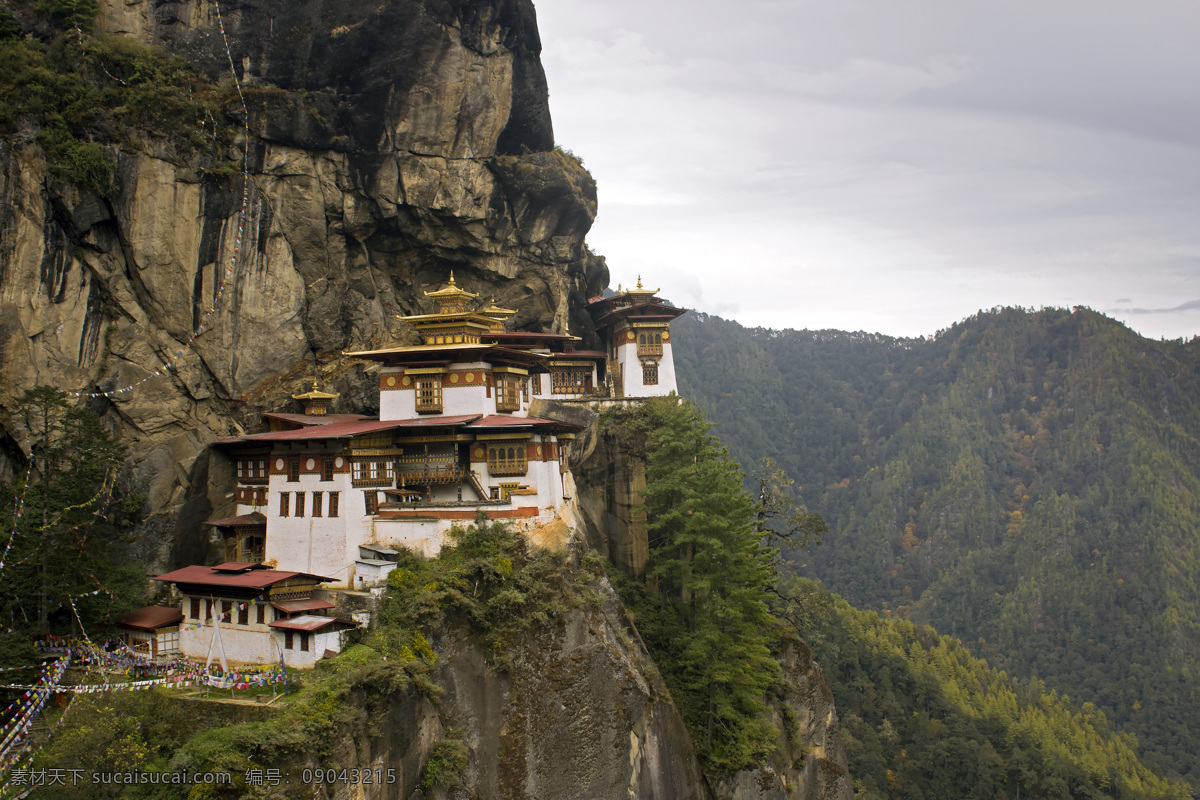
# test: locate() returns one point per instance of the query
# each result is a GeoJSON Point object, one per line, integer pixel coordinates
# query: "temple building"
{"type": "Point", "coordinates": [636, 326]}
{"type": "Point", "coordinates": [336, 494]}
{"type": "Point", "coordinates": [244, 613]}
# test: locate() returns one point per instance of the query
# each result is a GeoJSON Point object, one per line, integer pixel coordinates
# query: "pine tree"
{"type": "Point", "coordinates": [713, 629]}
{"type": "Point", "coordinates": [60, 547]}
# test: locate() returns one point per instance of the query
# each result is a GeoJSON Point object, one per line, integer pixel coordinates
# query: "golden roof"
{"type": "Point", "coordinates": [451, 294]}
{"type": "Point", "coordinates": [314, 394]}
{"type": "Point", "coordinates": [640, 290]}
{"type": "Point", "coordinates": [493, 310]}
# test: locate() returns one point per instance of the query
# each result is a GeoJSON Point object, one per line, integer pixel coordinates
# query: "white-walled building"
{"type": "Point", "coordinates": [254, 615]}
{"type": "Point", "coordinates": [636, 327]}
{"type": "Point", "coordinates": [454, 437]}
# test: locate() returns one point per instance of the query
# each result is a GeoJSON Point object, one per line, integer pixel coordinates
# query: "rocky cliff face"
{"type": "Point", "coordinates": [391, 143]}
{"type": "Point", "coordinates": [581, 713]}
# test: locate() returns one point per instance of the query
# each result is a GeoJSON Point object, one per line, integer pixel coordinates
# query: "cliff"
{"type": "Point", "coordinates": [391, 144]}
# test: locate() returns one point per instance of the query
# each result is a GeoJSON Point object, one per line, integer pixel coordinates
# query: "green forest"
{"type": "Point", "coordinates": [1024, 481]}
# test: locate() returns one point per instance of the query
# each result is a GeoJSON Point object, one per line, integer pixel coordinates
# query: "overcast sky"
{"type": "Point", "coordinates": [886, 166]}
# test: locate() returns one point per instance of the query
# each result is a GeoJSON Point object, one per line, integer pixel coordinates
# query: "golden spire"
{"type": "Point", "coordinates": [451, 299]}
{"type": "Point", "coordinates": [316, 402]}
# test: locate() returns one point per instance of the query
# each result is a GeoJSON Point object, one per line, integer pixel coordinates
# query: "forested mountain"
{"type": "Point", "coordinates": [1027, 481]}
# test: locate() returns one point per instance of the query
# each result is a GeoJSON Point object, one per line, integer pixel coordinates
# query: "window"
{"type": "Point", "coordinates": [250, 470]}
{"type": "Point", "coordinates": [284, 499]}
{"type": "Point", "coordinates": [371, 500]}
{"type": "Point", "coordinates": [507, 459]}
{"type": "Point", "coordinates": [327, 468]}
{"type": "Point", "coordinates": [333, 504]}
{"type": "Point", "coordinates": [195, 608]}
{"type": "Point", "coordinates": [429, 394]}
{"type": "Point", "coordinates": [299, 504]}
{"type": "Point", "coordinates": [287, 639]}
{"type": "Point", "coordinates": [649, 374]}
{"type": "Point", "coordinates": [316, 511]}
{"type": "Point", "coordinates": [261, 613]}
{"type": "Point", "coordinates": [508, 393]}
{"type": "Point", "coordinates": [570, 380]}
{"type": "Point", "coordinates": [373, 471]}
{"type": "Point", "coordinates": [303, 641]}
{"type": "Point", "coordinates": [208, 609]}
{"type": "Point", "coordinates": [243, 614]}
{"type": "Point", "coordinates": [293, 469]}
{"type": "Point", "coordinates": [650, 343]}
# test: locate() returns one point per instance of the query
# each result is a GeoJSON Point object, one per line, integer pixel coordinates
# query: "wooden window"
{"type": "Point", "coordinates": [285, 498]}
{"type": "Point", "coordinates": [371, 501]}
{"type": "Point", "coordinates": [243, 614]}
{"type": "Point", "coordinates": [570, 380]}
{"type": "Point", "coordinates": [650, 343]}
{"type": "Point", "coordinates": [252, 471]}
{"type": "Point", "coordinates": [649, 374]}
{"type": "Point", "coordinates": [507, 458]}
{"type": "Point", "coordinates": [508, 393]}
{"type": "Point", "coordinates": [303, 641]}
{"type": "Point", "coordinates": [327, 468]}
{"type": "Point", "coordinates": [299, 504]}
{"type": "Point", "coordinates": [287, 639]}
{"type": "Point", "coordinates": [293, 469]}
{"type": "Point", "coordinates": [195, 608]}
{"type": "Point", "coordinates": [262, 613]}
{"type": "Point", "coordinates": [316, 509]}
{"type": "Point", "coordinates": [208, 609]}
{"type": "Point", "coordinates": [429, 394]}
{"type": "Point", "coordinates": [372, 471]}
{"type": "Point", "coordinates": [333, 503]}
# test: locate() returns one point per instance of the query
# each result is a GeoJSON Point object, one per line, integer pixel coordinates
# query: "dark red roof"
{"type": "Point", "coordinates": [507, 335]}
{"type": "Point", "coordinates": [506, 421]}
{"type": "Point", "coordinates": [250, 579]}
{"type": "Point", "coordinates": [253, 518]}
{"type": "Point", "coordinates": [314, 419]}
{"type": "Point", "coordinates": [296, 606]}
{"type": "Point", "coordinates": [238, 566]}
{"type": "Point", "coordinates": [345, 430]}
{"type": "Point", "coordinates": [149, 618]}
{"type": "Point", "coordinates": [596, 354]}
{"type": "Point", "coordinates": [307, 623]}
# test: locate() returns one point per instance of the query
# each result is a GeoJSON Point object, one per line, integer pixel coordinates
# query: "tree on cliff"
{"type": "Point", "coordinates": [59, 547]}
{"type": "Point", "coordinates": [708, 622]}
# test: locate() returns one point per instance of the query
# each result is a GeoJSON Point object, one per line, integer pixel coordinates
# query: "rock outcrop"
{"type": "Point", "coordinates": [391, 143]}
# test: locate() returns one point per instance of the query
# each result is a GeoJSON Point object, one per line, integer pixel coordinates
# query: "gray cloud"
{"type": "Point", "coordinates": [894, 167]}
{"type": "Point", "coordinates": [1192, 305]}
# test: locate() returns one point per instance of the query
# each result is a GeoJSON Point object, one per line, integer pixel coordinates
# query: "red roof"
{"type": "Point", "coordinates": [314, 419]}
{"type": "Point", "coordinates": [238, 566]}
{"type": "Point", "coordinates": [596, 354]}
{"type": "Point", "coordinates": [250, 579]}
{"type": "Point", "coordinates": [307, 623]}
{"type": "Point", "coordinates": [148, 618]}
{"type": "Point", "coordinates": [345, 430]}
{"type": "Point", "coordinates": [296, 606]}
{"type": "Point", "coordinates": [253, 518]}
{"type": "Point", "coordinates": [507, 421]}
{"type": "Point", "coordinates": [500, 337]}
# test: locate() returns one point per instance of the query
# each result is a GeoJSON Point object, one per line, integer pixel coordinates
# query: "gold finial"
{"type": "Point", "coordinates": [451, 277]}
{"type": "Point", "coordinates": [618, 287]}
{"type": "Point", "coordinates": [314, 384]}
{"type": "Point", "coordinates": [639, 282]}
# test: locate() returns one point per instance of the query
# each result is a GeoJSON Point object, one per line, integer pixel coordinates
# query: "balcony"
{"type": "Point", "coordinates": [428, 470]}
